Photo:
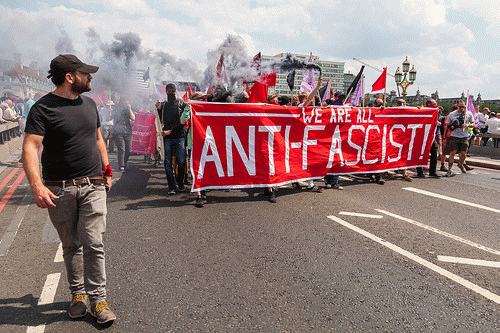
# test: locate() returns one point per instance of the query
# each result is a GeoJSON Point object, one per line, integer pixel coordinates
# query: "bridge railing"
{"type": "Point", "coordinates": [9, 131]}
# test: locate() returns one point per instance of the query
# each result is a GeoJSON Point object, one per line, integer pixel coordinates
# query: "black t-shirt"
{"type": "Point", "coordinates": [69, 134]}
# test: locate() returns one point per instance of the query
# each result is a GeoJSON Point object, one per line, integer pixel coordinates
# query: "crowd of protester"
{"type": "Point", "coordinates": [174, 136]}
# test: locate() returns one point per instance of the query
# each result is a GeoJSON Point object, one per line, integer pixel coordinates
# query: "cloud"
{"type": "Point", "coordinates": [381, 33]}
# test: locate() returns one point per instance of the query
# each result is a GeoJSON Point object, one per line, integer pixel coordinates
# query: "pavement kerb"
{"type": "Point", "coordinates": [482, 164]}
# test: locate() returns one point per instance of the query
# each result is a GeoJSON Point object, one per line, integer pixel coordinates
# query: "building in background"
{"type": "Point", "coordinates": [22, 81]}
{"type": "Point", "coordinates": [348, 78]}
{"type": "Point", "coordinates": [331, 70]}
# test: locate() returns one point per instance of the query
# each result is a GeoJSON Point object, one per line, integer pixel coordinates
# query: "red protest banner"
{"type": "Point", "coordinates": [144, 134]}
{"type": "Point", "coordinates": [258, 145]}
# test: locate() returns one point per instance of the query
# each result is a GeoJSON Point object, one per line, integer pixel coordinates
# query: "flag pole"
{"type": "Point", "coordinates": [385, 86]}
{"type": "Point", "coordinates": [467, 105]}
{"type": "Point", "coordinates": [363, 93]}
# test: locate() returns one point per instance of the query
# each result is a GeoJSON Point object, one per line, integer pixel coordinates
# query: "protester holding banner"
{"type": "Point", "coordinates": [431, 103]}
{"type": "Point", "coordinates": [270, 192]}
{"type": "Point", "coordinates": [173, 138]}
{"type": "Point", "coordinates": [379, 103]}
{"type": "Point", "coordinates": [332, 181]}
{"type": "Point", "coordinates": [186, 115]}
{"type": "Point", "coordinates": [306, 100]}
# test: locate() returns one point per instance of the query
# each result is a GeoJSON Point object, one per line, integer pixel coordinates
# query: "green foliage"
{"type": "Point", "coordinates": [493, 107]}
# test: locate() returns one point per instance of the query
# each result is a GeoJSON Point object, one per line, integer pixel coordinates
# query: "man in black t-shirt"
{"type": "Point", "coordinates": [76, 173]}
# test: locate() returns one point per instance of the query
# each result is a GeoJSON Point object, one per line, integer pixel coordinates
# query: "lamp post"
{"type": "Point", "coordinates": [401, 80]}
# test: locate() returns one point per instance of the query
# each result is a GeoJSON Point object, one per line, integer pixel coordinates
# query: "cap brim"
{"type": "Point", "coordinates": [88, 68]}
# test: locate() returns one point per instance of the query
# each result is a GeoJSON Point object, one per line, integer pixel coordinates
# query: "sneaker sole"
{"type": "Point", "coordinates": [76, 317]}
{"type": "Point", "coordinates": [103, 322]}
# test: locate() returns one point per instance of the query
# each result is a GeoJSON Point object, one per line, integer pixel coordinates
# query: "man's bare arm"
{"type": "Point", "coordinates": [314, 92]}
{"type": "Point", "coordinates": [41, 194]}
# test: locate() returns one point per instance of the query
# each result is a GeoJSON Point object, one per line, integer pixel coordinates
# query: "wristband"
{"type": "Point", "coordinates": [107, 172]}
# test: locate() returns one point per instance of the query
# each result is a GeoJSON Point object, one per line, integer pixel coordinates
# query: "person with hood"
{"type": "Point", "coordinates": [173, 138]}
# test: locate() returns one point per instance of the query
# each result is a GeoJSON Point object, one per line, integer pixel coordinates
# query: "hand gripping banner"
{"type": "Point", "coordinates": [260, 145]}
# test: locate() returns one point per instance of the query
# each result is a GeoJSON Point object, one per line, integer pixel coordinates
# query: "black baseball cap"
{"type": "Point", "coordinates": [66, 63]}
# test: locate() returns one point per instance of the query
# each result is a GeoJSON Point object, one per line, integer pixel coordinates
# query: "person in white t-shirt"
{"type": "Point", "coordinates": [493, 124]}
{"type": "Point", "coordinates": [482, 118]}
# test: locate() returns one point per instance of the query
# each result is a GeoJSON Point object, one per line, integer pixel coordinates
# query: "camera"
{"type": "Point", "coordinates": [457, 123]}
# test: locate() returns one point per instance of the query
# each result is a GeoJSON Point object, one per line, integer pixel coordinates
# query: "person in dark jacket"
{"type": "Point", "coordinates": [173, 137]}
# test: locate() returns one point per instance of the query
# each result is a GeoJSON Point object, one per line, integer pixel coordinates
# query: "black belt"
{"type": "Point", "coordinates": [96, 180]}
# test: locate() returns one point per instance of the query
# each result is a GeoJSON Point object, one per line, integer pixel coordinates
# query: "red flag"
{"type": "Point", "coordinates": [96, 98]}
{"type": "Point", "coordinates": [258, 93]}
{"type": "Point", "coordinates": [100, 97]}
{"type": "Point", "coordinates": [103, 96]}
{"type": "Point", "coordinates": [380, 83]}
{"type": "Point", "coordinates": [248, 90]}
{"type": "Point", "coordinates": [256, 62]}
{"type": "Point", "coordinates": [220, 66]}
{"type": "Point", "coordinates": [187, 94]}
{"type": "Point", "coordinates": [269, 79]}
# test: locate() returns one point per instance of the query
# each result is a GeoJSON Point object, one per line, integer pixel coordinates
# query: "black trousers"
{"type": "Point", "coordinates": [433, 160]}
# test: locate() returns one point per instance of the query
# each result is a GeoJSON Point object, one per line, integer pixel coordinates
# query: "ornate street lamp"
{"type": "Point", "coordinates": [400, 78]}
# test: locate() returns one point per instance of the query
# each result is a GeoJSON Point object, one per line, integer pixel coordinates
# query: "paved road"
{"type": "Point", "coordinates": [366, 259]}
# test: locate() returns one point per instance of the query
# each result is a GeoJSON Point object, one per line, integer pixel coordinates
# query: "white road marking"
{"type": "Point", "coordinates": [49, 289]}
{"type": "Point", "coordinates": [444, 197]}
{"type": "Point", "coordinates": [468, 261]}
{"type": "Point", "coordinates": [59, 254]}
{"type": "Point", "coordinates": [47, 297]}
{"type": "Point", "coordinates": [10, 233]}
{"type": "Point", "coordinates": [467, 284]}
{"type": "Point", "coordinates": [370, 216]}
{"type": "Point", "coordinates": [36, 329]}
{"type": "Point", "coordinates": [443, 233]}
{"type": "Point", "coordinates": [49, 232]}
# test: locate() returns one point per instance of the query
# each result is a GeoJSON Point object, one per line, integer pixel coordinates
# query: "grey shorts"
{"type": "Point", "coordinates": [458, 144]}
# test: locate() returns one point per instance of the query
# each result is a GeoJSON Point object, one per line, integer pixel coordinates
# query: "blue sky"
{"type": "Point", "coordinates": [453, 44]}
